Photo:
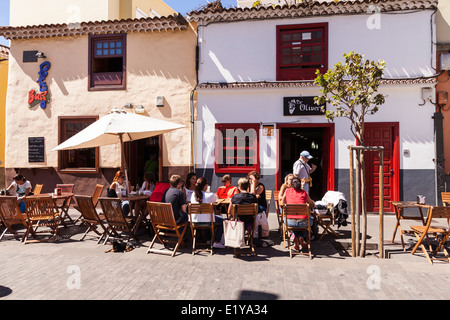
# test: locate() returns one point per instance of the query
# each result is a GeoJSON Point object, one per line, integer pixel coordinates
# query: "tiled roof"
{"type": "Point", "coordinates": [304, 84]}
{"type": "Point", "coordinates": [169, 23]}
{"type": "Point", "coordinates": [310, 8]}
{"type": "Point", "coordinates": [4, 52]}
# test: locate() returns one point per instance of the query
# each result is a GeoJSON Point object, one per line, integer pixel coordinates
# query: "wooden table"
{"type": "Point", "coordinates": [222, 203]}
{"type": "Point", "coordinates": [399, 207]}
{"type": "Point", "coordinates": [134, 198]}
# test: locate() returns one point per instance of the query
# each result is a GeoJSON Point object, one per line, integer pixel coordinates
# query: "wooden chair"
{"type": "Point", "coordinates": [269, 201]}
{"type": "Point", "coordinates": [11, 216]}
{"type": "Point", "coordinates": [246, 210]}
{"type": "Point", "coordinates": [276, 194]}
{"type": "Point", "coordinates": [90, 217]}
{"type": "Point", "coordinates": [297, 209]}
{"type": "Point", "coordinates": [164, 225]}
{"type": "Point", "coordinates": [41, 212]}
{"type": "Point", "coordinates": [95, 196]}
{"type": "Point", "coordinates": [64, 205]}
{"type": "Point", "coordinates": [207, 211]}
{"type": "Point", "coordinates": [445, 199]}
{"type": "Point", "coordinates": [118, 224]}
{"type": "Point", "coordinates": [422, 231]}
{"type": "Point", "coordinates": [38, 189]}
{"type": "Point", "coordinates": [325, 220]}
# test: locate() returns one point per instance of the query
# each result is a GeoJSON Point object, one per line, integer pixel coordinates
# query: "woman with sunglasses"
{"type": "Point", "coordinates": [116, 188]}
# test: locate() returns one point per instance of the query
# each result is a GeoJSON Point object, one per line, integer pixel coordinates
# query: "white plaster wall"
{"type": "Point", "coordinates": [266, 106]}
{"type": "Point", "coordinates": [246, 51]}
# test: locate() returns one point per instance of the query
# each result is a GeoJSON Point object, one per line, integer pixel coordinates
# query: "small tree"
{"type": "Point", "coordinates": [352, 88]}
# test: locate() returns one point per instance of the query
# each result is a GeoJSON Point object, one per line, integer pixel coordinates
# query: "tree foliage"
{"type": "Point", "coordinates": [352, 88]}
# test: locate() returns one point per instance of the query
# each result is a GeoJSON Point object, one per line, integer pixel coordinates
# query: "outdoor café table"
{"type": "Point", "coordinates": [399, 207]}
{"type": "Point", "coordinates": [134, 198]}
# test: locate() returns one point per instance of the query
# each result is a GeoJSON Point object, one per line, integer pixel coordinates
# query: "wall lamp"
{"type": "Point", "coordinates": [160, 101]}
{"type": "Point", "coordinates": [140, 108]}
{"type": "Point", "coordinates": [41, 55]}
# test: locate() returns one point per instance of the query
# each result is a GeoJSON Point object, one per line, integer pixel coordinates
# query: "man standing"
{"type": "Point", "coordinates": [303, 170]}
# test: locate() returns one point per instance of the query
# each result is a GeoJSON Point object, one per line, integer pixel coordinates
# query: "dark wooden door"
{"type": "Point", "coordinates": [386, 135]}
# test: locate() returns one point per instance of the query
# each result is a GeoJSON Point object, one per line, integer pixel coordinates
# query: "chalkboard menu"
{"type": "Point", "coordinates": [36, 149]}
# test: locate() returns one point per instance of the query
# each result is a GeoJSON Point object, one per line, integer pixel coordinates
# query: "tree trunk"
{"type": "Point", "coordinates": [363, 205]}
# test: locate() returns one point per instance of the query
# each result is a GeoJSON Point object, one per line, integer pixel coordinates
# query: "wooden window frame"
{"type": "Point", "coordinates": [93, 170]}
{"type": "Point", "coordinates": [301, 73]}
{"type": "Point", "coordinates": [92, 86]}
{"type": "Point", "coordinates": [220, 168]}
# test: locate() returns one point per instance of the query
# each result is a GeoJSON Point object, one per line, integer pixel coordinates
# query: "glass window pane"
{"type": "Point", "coordinates": [105, 45]}
{"type": "Point", "coordinates": [119, 44]}
{"type": "Point", "coordinates": [105, 52]}
{"type": "Point", "coordinates": [118, 51]}
{"type": "Point", "coordinates": [306, 59]}
{"type": "Point", "coordinates": [112, 51]}
{"type": "Point", "coordinates": [317, 58]}
{"type": "Point", "coordinates": [296, 36]}
{"type": "Point", "coordinates": [317, 34]}
{"type": "Point", "coordinates": [112, 44]}
{"type": "Point", "coordinates": [99, 45]}
{"type": "Point", "coordinates": [286, 60]}
{"type": "Point", "coordinates": [286, 37]}
{"type": "Point", "coordinates": [306, 50]}
{"type": "Point", "coordinates": [99, 52]}
{"type": "Point", "coordinates": [306, 36]}
{"type": "Point", "coordinates": [296, 59]}
{"type": "Point", "coordinates": [286, 51]}
{"type": "Point", "coordinates": [317, 49]}
{"type": "Point", "coordinates": [296, 51]}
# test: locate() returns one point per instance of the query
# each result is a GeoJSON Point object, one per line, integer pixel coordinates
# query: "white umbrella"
{"type": "Point", "coordinates": [117, 127]}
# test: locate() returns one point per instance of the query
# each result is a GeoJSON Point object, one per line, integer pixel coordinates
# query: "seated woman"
{"type": "Point", "coordinates": [191, 178]}
{"type": "Point", "coordinates": [286, 185]}
{"type": "Point", "coordinates": [22, 187]}
{"type": "Point", "coordinates": [116, 187]}
{"type": "Point", "coordinates": [201, 195]}
{"type": "Point", "coordinates": [296, 195]}
{"type": "Point", "coordinates": [259, 190]}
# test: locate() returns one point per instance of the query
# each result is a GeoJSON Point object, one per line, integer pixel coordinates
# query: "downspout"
{"type": "Point", "coordinates": [191, 101]}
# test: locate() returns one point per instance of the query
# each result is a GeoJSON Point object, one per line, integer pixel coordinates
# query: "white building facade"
{"type": "Point", "coordinates": [256, 70]}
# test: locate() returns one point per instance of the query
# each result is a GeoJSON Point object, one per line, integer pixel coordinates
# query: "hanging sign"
{"type": "Point", "coordinates": [42, 97]}
{"type": "Point", "coordinates": [301, 106]}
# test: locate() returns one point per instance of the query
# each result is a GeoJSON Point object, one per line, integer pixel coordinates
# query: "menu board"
{"type": "Point", "coordinates": [36, 152]}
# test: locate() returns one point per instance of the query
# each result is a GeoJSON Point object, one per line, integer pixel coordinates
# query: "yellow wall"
{"type": "Point", "coordinates": [69, 11]}
{"type": "Point", "coordinates": [158, 64]}
{"type": "Point", "coordinates": [3, 89]}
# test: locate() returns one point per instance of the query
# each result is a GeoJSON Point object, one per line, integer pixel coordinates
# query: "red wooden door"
{"type": "Point", "coordinates": [386, 135]}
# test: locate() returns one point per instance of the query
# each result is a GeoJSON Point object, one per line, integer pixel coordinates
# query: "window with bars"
{"type": "Point", "coordinates": [236, 149]}
{"type": "Point", "coordinates": [301, 50]}
{"type": "Point", "coordinates": [107, 62]}
{"type": "Point", "coordinates": [78, 160]}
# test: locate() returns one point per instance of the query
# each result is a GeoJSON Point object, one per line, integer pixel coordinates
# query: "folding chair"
{"type": "Point", "coordinates": [269, 201]}
{"type": "Point", "coordinates": [90, 217]}
{"type": "Point", "coordinates": [246, 210]}
{"type": "Point", "coordinates": [276, 194]}
{"type": "Point", "coordinates": [203, 212]}
{"type": "Point", "coordinates": [422, 231]}
{"type": "Point", "coordinates": [118, 225]}
{"type": "Point", "coordinates": [64, 205]}
{"type": "Point", "coordinates": [299, 210]}
{"type": "Point", "coordinates": [445, 199]}
{"type": "Point", "coordinates": [164, 225]}
{"type": "Point", "coordinates": [11, 216]}
{"type": "Point", "coordinates": [38, 189]}
{"type": "Point", "coordinates": [325, 220]}
{"type": "Point", "coordinates": [41, 212]}
{"type": "Point", "coordinates": [95, 196]}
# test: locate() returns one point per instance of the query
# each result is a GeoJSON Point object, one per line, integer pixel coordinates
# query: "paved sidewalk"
{"type": "Point", "coordinates": [80, 270]}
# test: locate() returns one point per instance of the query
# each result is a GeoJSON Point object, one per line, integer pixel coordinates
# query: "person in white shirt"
{"type": "Point", "coordinates": [302, 169]}
{"type": "Point", "coordinates": [201, 195]}
{"type": "Point", "coordinates": [22, 187]}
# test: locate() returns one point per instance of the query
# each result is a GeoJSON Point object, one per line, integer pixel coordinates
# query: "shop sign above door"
{"type": "Point", "coordinates": [42, 97]}
{"type": "Point", "coordinates": [301, 106]}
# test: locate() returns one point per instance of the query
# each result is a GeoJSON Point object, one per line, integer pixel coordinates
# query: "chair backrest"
{"type": "Point", "coordinates": [250, 209]}
{"type": "Point", "coordinates": [40, 207]}
{"type": "Point", "coordinates": [445, 198]}
{"type": "Point", "coordinates": [87, 208]}
{"type": "Point", "coordinates": [10, 212]}
{"type": "Point", "coordinates": [296, 210]}
{"type": "Point", "coordinates": [161, 214]}
{"type": "Point", "coordinates": [201, 212]}
{"type": "Point", "coordinates": [66, 188]}
{"type": "Point", "coordinates": [268, 199]}
{"type": "Point", "coordinates": [276, 194]}
{"type": "Point", "coordinates": [440, 212]}
{"type": "Point", "coordinates": [158, 192]}
{"type": "Point", "coordinates": [112, 210]}
{"type": "Point", "coordinates": [38, 189]}
{"type": "Point", "coordinates": [97, 193]}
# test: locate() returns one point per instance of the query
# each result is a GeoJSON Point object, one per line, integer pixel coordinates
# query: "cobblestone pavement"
{"type": "Point", "coordinates": [79, 270]}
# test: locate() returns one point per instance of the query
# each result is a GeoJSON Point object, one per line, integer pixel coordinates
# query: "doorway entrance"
{"type": "Point", "coordinates": [318, 139]}
{"type": "Point", "coordinates": [142, 155]}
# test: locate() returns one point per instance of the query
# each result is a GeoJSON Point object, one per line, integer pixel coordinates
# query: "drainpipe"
{"type": "Point", "coordinates": [440, 159]}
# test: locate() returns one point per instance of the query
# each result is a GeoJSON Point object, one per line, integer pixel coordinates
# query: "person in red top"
{"type": "Point", "coordinates": [296, 195]}
{"type": "Point", "coordinates": [227, 191]}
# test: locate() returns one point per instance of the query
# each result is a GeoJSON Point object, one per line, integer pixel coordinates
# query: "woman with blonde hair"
{"type": "Point", "coordinates": [286, 185]}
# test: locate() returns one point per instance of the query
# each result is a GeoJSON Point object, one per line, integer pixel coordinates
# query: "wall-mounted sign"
{"type": "Point", "coordinates": [36, 149]}
{"type": "Point", "coordinates": [301, 106]}
{"type": "Point", "coordinates": [41, 97]}
{"type": "Point", "coordinates": [268, 131]}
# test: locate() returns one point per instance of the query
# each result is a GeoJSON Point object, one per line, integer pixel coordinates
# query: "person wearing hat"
{"type": "Point", "coordinates": [303, 170]}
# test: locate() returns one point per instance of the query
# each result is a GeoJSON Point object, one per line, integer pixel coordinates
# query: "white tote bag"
{"type": "Point", "coordinates": [233, 232]}
{"type": "Point", "coordinates": [261, 220]}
